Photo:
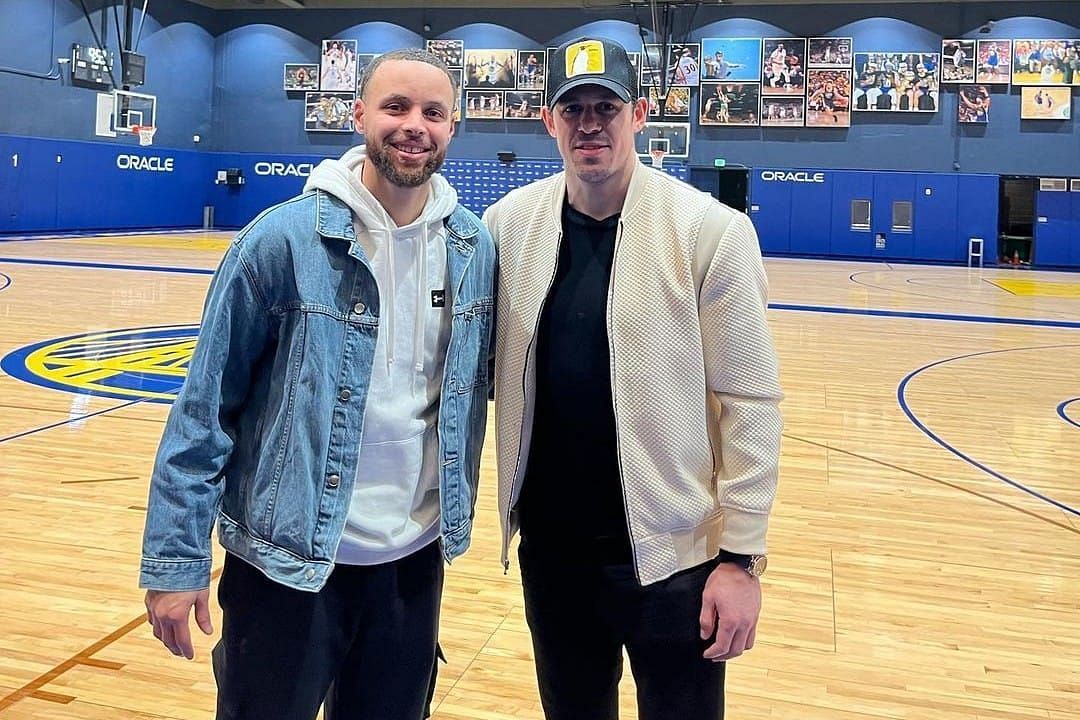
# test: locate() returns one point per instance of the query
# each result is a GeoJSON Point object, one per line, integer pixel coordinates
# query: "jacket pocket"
{"type": "Point", "coordinates": [473, 326]}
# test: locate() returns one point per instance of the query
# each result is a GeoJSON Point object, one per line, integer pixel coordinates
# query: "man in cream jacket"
{"type": "Point", "coordinates": [637, 404]}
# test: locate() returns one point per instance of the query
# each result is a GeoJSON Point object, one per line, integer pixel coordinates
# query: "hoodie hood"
{"type": "Point", "coordinates": [341, 178]}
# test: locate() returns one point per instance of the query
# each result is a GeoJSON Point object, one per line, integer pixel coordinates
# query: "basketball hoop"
{"type": "Point", "coordinates": [658, 155]}
{"type": "Point", "coordinates": [145, 133]}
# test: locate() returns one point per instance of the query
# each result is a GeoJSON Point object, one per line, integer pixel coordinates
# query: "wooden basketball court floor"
{"type": "Point", "coordinates": [925, 547]}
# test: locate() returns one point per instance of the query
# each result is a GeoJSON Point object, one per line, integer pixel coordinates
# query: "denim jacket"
{"type": "Point", "coordinates": [265, 433]}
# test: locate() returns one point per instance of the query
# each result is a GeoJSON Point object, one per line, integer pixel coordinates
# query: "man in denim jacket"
{"type": "Point", "coordinates": [331, 423]}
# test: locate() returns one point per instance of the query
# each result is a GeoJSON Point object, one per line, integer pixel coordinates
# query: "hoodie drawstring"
{"type": "Point", "coordinates": [388, 311]}
{"type": "Point", "coordinates": [421, 304]}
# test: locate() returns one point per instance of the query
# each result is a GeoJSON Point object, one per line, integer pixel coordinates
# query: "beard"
{"type": "Point", "coordinates": [379, 155]}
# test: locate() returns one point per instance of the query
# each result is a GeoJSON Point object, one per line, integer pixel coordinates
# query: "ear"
{"type": "Point", "coordinates": [641, 114]}
{"type": "Point", "coordinates": [549, 120]}
{"type": "Point", "coordinates": [358, 116]}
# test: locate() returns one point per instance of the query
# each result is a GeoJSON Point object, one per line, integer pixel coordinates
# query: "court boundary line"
{"type": "Point", "coordinates": [43, 428]}
{"type": "Point", "coordinates": [902, 400]}
{"type": "Point", "coordinates": [80, 234]}
{"type": "Point", "coordinates": [955, 486]}
{"type": "Point", "coordinates": [772, 306]}
{"type": "Point", "coordinates": [106, 266]}
{"type": "Point", "coordinates": [899, 291]}
{"type": "Point", "coordinates": [921, 315]}
{"type": "Point", "coordinates": [1065, 417]}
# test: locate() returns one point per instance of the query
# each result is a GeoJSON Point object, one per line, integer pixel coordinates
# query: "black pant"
{"type": "Point", "coordinates": [365, 643]}
{"type": "Point", "coordinates": [582, 613]}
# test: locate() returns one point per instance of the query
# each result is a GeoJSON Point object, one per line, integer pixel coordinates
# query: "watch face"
{"type": "Point", "coordinates": [757, 566]}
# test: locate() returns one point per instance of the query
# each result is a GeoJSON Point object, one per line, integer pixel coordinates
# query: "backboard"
{"type": "Point", "coordinates": [131, 109]}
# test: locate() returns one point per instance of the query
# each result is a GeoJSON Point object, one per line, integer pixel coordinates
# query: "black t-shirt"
{"type": "Point", "coordinates": [572, 496]}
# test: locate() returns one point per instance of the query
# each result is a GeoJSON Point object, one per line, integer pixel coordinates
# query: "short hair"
{"type": "Point", "coordinates": [412, 55]}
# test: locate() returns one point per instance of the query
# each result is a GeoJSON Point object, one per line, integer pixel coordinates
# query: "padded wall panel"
{"type": "Point", "coordinates": [770, 209]}
{"type": "Point", "coordinates": [935, 219]}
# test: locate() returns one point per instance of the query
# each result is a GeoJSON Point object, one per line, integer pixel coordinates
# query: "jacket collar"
{"type": "Point", "coordinates": [638, 180]}
{"type": "Point", "coordinates": [334, 219]}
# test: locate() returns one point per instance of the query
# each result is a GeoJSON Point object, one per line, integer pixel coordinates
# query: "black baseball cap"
{"type": "Point", "coordinates": [591, 61]}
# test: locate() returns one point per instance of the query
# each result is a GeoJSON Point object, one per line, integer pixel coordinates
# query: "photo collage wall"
{"type": "Point", "coordinates": [749, 82]}
{"type": "Point", "coordinates": [1044, 70]}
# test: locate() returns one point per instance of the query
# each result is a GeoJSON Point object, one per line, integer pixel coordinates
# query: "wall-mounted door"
{"type": "Point", "coordinates": [893, 215]}
{"type": "Point", "coordinates": [852, 208]}
{"type": "Point", "coordinates": [1053, 222]}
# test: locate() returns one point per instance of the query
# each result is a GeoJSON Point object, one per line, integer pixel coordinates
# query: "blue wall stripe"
{"type": "Point", "coordinates": [902, 400]}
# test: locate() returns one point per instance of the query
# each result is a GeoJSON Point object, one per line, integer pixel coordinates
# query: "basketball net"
{"type": "Point", "coordinates": [658, 157]}
{"type": "Point", "coordinates": [145, 133]}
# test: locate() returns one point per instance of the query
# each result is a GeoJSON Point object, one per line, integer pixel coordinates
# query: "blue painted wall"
{"type": "Point", "coordinates": [39, 99]}
{"type": "Point", "coordinates": [218, 75]}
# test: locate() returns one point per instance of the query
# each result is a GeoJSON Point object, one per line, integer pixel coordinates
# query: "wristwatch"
{"type": "Point", "coordinates": [754, 565]}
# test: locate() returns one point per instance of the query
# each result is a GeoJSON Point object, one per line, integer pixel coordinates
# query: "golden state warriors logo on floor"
{"type": "Point", "coordinates": [140, 363]}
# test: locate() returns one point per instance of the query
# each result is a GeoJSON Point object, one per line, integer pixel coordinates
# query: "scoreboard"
{"type": "Point", "coordinates": [91, 66]}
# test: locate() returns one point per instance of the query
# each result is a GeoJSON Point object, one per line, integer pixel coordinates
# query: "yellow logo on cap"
{"type": "Point", "coordinates": [585, 58]}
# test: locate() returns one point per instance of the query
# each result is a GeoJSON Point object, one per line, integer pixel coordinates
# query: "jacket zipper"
{"type": "Point", "coordinates": [614, 407]}
{"type": "Point", "coordinates": [515, 486]}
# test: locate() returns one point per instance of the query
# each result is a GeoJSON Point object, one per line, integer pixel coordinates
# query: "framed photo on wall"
{"type": "Point", "coordinates": [301, 76]}
{"type": "Point", "coordinates": [957, 61]}
{"type": "Point", "coordinates": [523, 105]}
{"type": "Point", "coordinates": [362, 62]}
{"type": "Point", "coordinates": [483, 104]}
{"type": "Point", "coordinates": [651, 66]}
{"type": "Point", "coordinates": [452, 52]}
{"type": "Point", "coordinates": [828, 98]}
{"type": "Point", "coordinates": [731, 59]}
{"type": "Point", "coordinates": [1046, 62]}
{"type": "Point", "coordinates": [532, 69]}
{"type": "Point", "coordinates": [677, 135]}
{"type": "Point", "coordinates": [829, 52]}
{"type": "Point", "coordinates": [1045, 103]}
{"type": "Point", "coordinates": [896, 82]}
{"type": "Point", "coordinates": [329, 111]}
{"type": "Point", "coordinates": [782, 111]}
{"type": "Point", "coordinates": [337, 66]}
{"type": "Point", "coordinates": [676, 104]}
{"type": "Point", "coordinates": [458, 73]}
{"type": "Point", "coordinates": [684, 65]}
{"type": "Point", "coordinates": [993, 62]}
{"type": "Point", "coordinates": [490, 69]}
{"type": "Point", "coordinates": [783, 68]}
{"type": "Point", "coordinates": [973, 104]}
{"type": "Point", "coordinates": [730, 104]}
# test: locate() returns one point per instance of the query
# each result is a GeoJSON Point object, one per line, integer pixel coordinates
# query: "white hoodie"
{"type": "Point", "coordinates": [395, 501]}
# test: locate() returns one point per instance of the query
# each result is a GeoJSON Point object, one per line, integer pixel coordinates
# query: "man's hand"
{"type": "Point", "coordinates": [730, 605]}
{"type": "Point", "coordinates": [168, 612]}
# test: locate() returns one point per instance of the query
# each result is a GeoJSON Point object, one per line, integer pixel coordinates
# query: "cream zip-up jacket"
{"type": "Point", "coordinates": [694, 373]}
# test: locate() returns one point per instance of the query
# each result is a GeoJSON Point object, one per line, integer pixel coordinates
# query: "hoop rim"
{"type": "Point", "coordinates": [145, 133]}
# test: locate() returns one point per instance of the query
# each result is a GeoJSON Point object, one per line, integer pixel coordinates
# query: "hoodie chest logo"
{"type": "Point", "coordinates": [438, 298]}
